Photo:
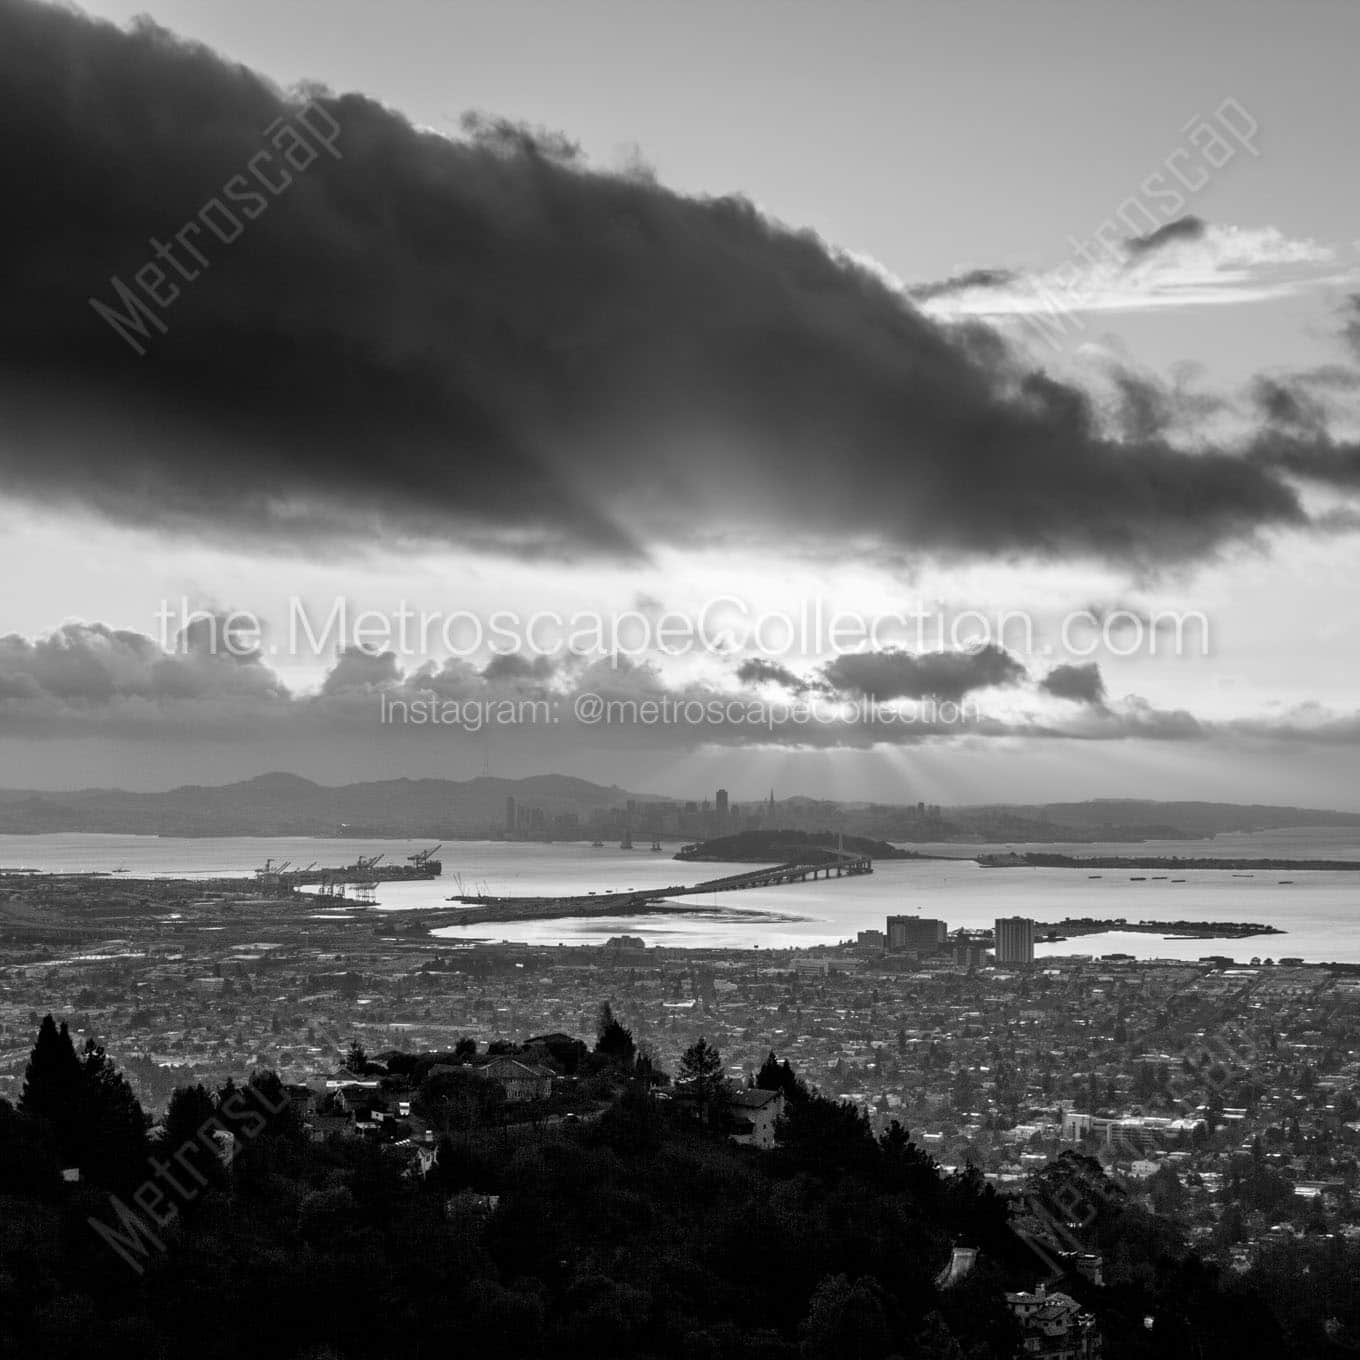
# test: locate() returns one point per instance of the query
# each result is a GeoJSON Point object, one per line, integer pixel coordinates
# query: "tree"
{"type": "Point", "coordinates": [94, 1116]}
{"type": "Point", "coordinates": [1168, 1194]}
{"type": "Point", "coordinates": [358, 1058]}
{"type": "Point", "coordinates": [777, 1076]}
{"type": "Point", "coordinates": [52, 1079]}
{"type": "Point", "coordinates": [701, 1067]}
{"type": "Point", "coordinates": [52, 1083]}
{"type": "Point", "coordinates": [112, 1132]}
{"type": "Point", "coordinates": [646, 1070]}
{"type": "Point", "coordinates": [28, 1163]}
{"type": "Point", "coordinates": [458, 1098]}
{"type": "Point", "coordinates": [845, 1321]}
{"type": "Point", "coordinates": [190, 1119]}
{"type": "Point", "coordinates": [613, 1041]}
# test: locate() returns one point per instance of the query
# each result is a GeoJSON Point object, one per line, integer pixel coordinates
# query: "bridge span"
{"type": "Point", "coordinates": [830, 864]}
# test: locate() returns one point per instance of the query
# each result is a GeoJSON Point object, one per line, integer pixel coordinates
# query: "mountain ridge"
{"type": "Point", "coordinates": [282, 803]}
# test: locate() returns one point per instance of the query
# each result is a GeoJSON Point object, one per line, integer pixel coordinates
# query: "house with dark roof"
{"type": "Point", "coordinates": [522, 1081]}
{"type": "Point", "coordinates": [755, 1113]}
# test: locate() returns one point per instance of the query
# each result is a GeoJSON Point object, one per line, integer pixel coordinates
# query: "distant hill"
{"type": "Point", "coordinates": [1160, 820]}
{"type": "Point", "coordinates": [280, 804]}
{"type": "Point", "coordinates": [288, 805]}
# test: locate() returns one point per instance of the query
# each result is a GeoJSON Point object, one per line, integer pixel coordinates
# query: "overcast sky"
{"type": "Point", "coordinates": [880, 308]}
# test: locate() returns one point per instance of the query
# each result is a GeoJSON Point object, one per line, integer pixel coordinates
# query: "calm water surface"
{"type": "Point", "coordinates": [1320, 911]}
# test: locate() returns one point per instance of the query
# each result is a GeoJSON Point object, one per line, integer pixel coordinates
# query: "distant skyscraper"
{"type": "Point", "coordinates": [1014, 939]}
{"type": "Point", "coordinates": [510, 814]}
{"type": "Point", "coordinates": [721, 800]}
{"type": "Point", "coordinates": [920, 934]}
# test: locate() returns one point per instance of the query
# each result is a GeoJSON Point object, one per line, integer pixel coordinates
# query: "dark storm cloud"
{"type": "Point", "coordinates": [962, 283]}
{"type": "Point", "coordinates": [1310, 455]}
{"type": "Point", "coordinates": [513, 666]}
{"type": "Point", "coordinates": [1081, 683]}
{"type": "Point", "coordinates": [758, 671]}
{"type": "Point", "coordinates": [1188, 228]}
{"type": "Point", "coordinates": [891, 674]}
{"type": "Point", "coordinates": [1287, 404]}
{"type": "Point", "coordinates": [484, 341]}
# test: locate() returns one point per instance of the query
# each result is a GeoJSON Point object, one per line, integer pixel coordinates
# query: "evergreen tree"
{"type": "Point", "coordinates": [190, 1120]}
{"type": "Point", "coordinates": [701, 1067]}
{"type": "Point", "coordinates": [613, 1040]}
{"type": "Point", "coordinates": [52, 1085]}
{"type": "Point", "coordinates": [777, 1076]}
{"type": "Point", "coordinates": [111, 1139]}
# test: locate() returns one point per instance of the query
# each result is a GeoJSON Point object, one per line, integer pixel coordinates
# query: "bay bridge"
{"type": "Point", "coordinates": [828, 864]}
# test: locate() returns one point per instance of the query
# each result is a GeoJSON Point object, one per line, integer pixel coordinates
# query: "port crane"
{"type": "Point", "coordinates": [422, 857]}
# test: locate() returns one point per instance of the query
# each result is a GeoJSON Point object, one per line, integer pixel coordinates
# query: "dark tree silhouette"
{"type": "Point", "coordinates": [52, 1083]}
{"type": "Point", "coordinates": [96, 1121]}
{"type": "Point", "coordinates": [111, 1137]}
{"type": "Point", "coordinates": [613, 1041]}
{"type": "Point", "coordinates": [701, 1067]}
{"type": "Point", "coordinates": [190, 1120]}
{"type": "Point", "coordinates": [777, 1076]}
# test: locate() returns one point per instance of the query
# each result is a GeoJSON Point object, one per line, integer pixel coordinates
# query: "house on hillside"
{"type": "Point", "coordinates": [1054, 1326]}
{"type": "Point", "coordinates": [522, 1081]}
{"type": "Point", "coordinates": [755, 1113]}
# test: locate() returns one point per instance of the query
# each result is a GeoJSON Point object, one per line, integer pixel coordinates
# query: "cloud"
{"type": "Point", "coordinates": [513, 666]}
{"type": "Point", "coordinates": [758, 671]}
{"type": "Point", "coordinates": [91, 665]}
{"type": "Point", "coordinates": [359, 669]}
{"type": "Point", "coordinates": [91, 682]}
{"type": "Point", "coordinates": [485, 340]}
{"type": "Point", "coordinates": [968, 282]}
{"type": "Point", "coordinates": [1188, 228]}
{"type": "Point", "coordinates": [893, 674]}
{"type": "Point", "coordinates": [1351, 328]}
{"type": "Point", "coordinates": [1186, 262]}
{"type": "Point", "coordinates": [1081, 683]}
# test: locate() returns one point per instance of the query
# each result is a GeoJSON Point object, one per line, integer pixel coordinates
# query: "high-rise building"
{"type": "Point", "coordinates": [721, 801]}
{"type": "Point", "coordinates": [969, 952]}
{"type": "Point", "coordinates": [1013, 941]}
{"type": "Point", "coordinates": [510, 814]}
{"type": "Point", "coordinates": [921, 934]}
